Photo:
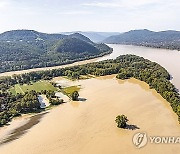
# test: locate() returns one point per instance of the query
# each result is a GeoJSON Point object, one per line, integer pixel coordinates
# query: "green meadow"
{"type": "Point", "coordinates": [37, 86]}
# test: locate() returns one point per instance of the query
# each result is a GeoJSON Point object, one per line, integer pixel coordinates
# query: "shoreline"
{"type": "Point", "coordinates": [143, 46]}
{"type": "Point", "coordinates": [81, 62]}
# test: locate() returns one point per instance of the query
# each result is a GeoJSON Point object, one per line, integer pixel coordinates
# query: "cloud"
{"type": "Point", "coordinates": [75, 13]}
{"type": "Point", "coordinates": [103, 4]}
{"type": "Point", "coordinates": [116, 15]}
{"type": "Point", "coordinates": [122, 3]}
{"type": "Point", "coordinates": [3, 3]}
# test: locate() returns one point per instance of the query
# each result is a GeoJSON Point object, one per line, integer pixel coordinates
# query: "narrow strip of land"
{"type": "Point", "coordinates": [48, 68]}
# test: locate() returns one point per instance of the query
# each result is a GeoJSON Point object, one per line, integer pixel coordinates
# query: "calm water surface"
{"type": "Point", "coordinates": [170, 59]}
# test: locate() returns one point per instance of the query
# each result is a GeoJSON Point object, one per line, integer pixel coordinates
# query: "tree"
{"type": "Point", "coordinates": [55, 101]}
{"type": "Point", "coordinates": [75, 95]}
{"type": "Point", "coordinates": [3, 122]}
{"type": "Point", "coordinates": [121, 121]}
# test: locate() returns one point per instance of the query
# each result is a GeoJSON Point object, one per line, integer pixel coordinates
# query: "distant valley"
{"type": "Point", "coordinates": [94, 36]}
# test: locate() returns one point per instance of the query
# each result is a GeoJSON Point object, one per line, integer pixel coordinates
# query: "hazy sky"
{"type": "Point", "coordinates": [89, 15]}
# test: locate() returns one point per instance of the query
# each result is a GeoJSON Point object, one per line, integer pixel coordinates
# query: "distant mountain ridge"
{"type": "Point", "coordinates": [164, 39]}
{"type": "Point", "coordinates": [32, 35]}
{"type": "Point", "coordinates": [94, 36]}
{"type": "Point", "coordinates": [24, 49]}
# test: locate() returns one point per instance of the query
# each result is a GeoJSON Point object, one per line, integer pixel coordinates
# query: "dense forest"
{"type": "Point", "coordinates": [125, 66]}
{"type": "Point", "coordinates": [25, 49]}
{"type": "Point", "coordinates": [163, 39]}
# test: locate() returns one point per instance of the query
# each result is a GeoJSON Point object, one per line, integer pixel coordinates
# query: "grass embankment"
{"type": "Point", "coordinates": [37, 86]}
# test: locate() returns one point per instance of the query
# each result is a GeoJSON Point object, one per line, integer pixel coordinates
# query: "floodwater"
{"type": "Point", "coordinates": [169, 59]}
{"type": "Point", "coordinates": [88, 127]}
{"type": "Point", "coordinates": [18, 127]}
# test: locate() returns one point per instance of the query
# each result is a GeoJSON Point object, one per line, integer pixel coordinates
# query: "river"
{"type": "Point", "coordinates": [169, 59]}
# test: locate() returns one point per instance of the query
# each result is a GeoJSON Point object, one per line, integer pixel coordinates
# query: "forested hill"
{"type": "Point", "coordinates": [25, 49]}
{"type": "Point", "coordinates": [94, 36]}
{"type": "Point", "coordinates": [162, 39]}
{"type": "Point", "coordinates": [32, 35]}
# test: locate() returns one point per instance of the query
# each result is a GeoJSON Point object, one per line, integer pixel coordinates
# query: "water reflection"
{"type": "Point", "coordinates": [18, 132]}
{"type": "Point", "coordinates": [75, 104]}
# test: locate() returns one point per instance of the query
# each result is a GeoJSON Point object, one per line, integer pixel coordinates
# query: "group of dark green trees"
{"type": "Point", "coordinates": [121, 121]}
{"type": "Point", "coordinates": [53, 100]}
{"type": "Point", "coordinates": [75, 96]}
{"type": "Point", "coordinates": [14, 105]}
{"type": "Point", "coordinates": [11, 106]}
{"type": "Point", "coordinates": [125, 66]}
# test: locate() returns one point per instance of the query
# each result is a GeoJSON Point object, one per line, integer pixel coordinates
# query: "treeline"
{"type": "Point", "coordinates": [14, 105]}
{"type": "Point", "coordinates": [169, 45]}
{"type": "Point", "coordinates": [14, 59]}
{"type": "Point", "coordinates": [126, 66]}
{"type": "Point", "coordinates": [11, 106]}
{"type": "Point", "coordinates": [53, 100]}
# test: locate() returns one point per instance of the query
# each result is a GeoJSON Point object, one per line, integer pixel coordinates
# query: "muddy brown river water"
{"type": "Point", "coordinates": [88, 127]}
{"type": "Point", "coordinates": [169, 59]}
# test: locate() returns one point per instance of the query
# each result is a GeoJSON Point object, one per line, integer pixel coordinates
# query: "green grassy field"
{"type": "Point", "coordinates": [37, 86]}
{"type": "Point", "coordinates": [70, 90]}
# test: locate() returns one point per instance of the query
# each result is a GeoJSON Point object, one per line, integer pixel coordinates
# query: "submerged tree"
{"type": "Point", "coordinates": [75, 95]}
{"type": "Point", "coordinates": [121, 121]}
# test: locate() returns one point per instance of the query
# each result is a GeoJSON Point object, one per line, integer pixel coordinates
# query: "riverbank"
{"type": "Point", "coordinates": [169, 59]}
{"type": "Point", "coordinates": [89, 127]}
{"type": "Point", "coordinates": [51, 68]}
